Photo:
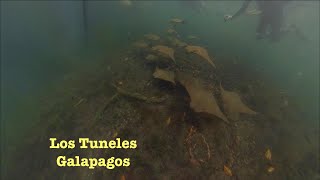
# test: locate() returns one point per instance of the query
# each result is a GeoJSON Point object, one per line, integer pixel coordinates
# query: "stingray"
{"type": "Point", "coordinates": [126, 2]}
{"type": "Point", "coordinates": [140, 44]}
{"type": "Point", "coordinates": [192, 37]}
{"type": "Point", "coordinates": [152, 37]}
{"type": "Point", "coordinates": [202, 99]}
{"type": "Point", "coordinates": [253, 12]}
{"type": "Point", "coordinates": [151, 58]}
{"type": "Point", "coordinates": [165, 51]}
{"type": "Point", "coordinates": [233, 104]}
{"type": "Point", "coordinates": [164, 75]}
{"type": "Point", "coordinates": [171, 31]}
{"type": "Point", "coordinates": [201, 52]}
{"type": "Point", "coordinates": [176, 42]}
{"type": "Point", "coordinates": [177, 21]}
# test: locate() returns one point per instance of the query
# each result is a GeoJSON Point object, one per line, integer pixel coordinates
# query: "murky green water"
{"type": "Point", "coordinates": [43, 42]}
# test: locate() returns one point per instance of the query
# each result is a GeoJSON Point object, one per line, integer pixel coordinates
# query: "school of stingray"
{"type": "Point", "coordinates": [202, 100]}
{"type": "Point", "coordinates": [171, 60]}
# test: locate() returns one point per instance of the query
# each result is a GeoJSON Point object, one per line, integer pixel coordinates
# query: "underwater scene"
{"type": "Point", "coordinates": [160, 90]}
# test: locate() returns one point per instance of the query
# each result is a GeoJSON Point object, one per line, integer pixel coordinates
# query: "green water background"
{"type": "Point", "coordinates": [42, 42]}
